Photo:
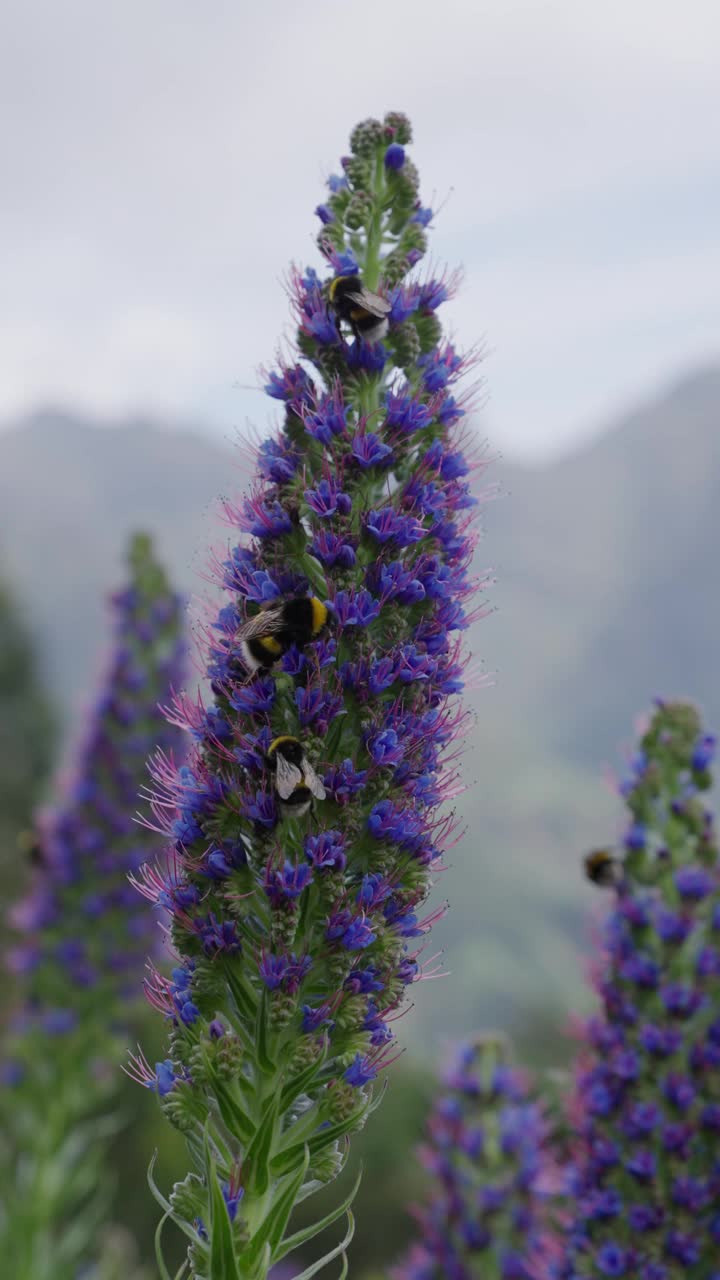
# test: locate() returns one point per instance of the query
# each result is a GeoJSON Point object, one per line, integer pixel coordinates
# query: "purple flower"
{"type": "Point", "coordinates": [326, 851]}
{"type": "Point", "coordinates": [694, 883]}
{"type": "Point", "coordinates": [386, 748]}
{"type": "Point", "coordinates": [368, 450]}
{"type": "Point", "coordinates": [360, 1072]}
{"type": "Point", "coordinates": [635, 836]}
{"type": "Point", "coordinates": [355, 610]}
{"type": "Point", "coordinates": [351, 932]}
{"type": "Point", "coordinates": [612, 1260]}
{"type": "Point", "coordinates": [277, 463]}
{"type": "Point", "coordinates": [291, 384]}
{"type": "Point", "coordinates": [386, 525]}
{"type": "Point", "coordinates": [332, 549]}
{"type": "Point", "coordinates": [327, 500]}
{"type": "Point", "coordinates": [273, 970]}
{"type": "Point", "coordinates": [344, 781]}
{"type": "Point", "coordinates": [406, 412]}
{"type": "Point", "coordinates": [394, 156]}
{"type": "Point", "coordinates": [328, 419]}
{"type": "Point", "coordinates": [704, 752]}
{"type": "Point", "coordinates": [285, 884]}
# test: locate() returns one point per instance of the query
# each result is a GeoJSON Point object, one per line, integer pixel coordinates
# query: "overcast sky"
{"type": "Point", "coordinates": [161, 160]}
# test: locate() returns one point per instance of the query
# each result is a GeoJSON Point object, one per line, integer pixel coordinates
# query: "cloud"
{"type": "Point", "coordinates": [161, 164]}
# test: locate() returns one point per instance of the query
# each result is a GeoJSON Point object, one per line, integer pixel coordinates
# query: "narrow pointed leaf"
{"type": "Point", "coordinates": [165, 1204]}
{"type": "Point", "coordinates": [234, 1116]}
{"type": "Point", "coordinates": [272, 1229]}
{"type": "Point", "coordinates": [245, 1006]}
{"type": "Point", "coordinates": [257, 1155]}
{"type": "Point", "coordinates": [262, 1050]}
{"type": "Point", "coordinates": [308, 1233]}
{"type": "Point", "coordinates": [334, 1253]}
{"type": "Point", "coordinates": [223, 1262]}
{"type": "Point", "coordinates": [159, 1258]}
{"type": "Point", "coordinates": [286, 1160]}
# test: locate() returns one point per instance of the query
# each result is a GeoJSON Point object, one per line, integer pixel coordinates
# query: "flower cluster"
{"type": "Point", "coordinates": [484, 1153]}
{"type": "Point", "coordinates": [82, 938]}
{"type": "Point", "coordinates": [646, 1184]}
{"type": "Point", "coordinates": [305, 828]}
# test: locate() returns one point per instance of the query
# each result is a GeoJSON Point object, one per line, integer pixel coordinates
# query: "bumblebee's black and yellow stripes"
{"type": "Point", "coordinates": [267, 636]}
{"type": "Point", "coordinates": [603, 868]}
{"type": "Point", "coordinates": [364, 311]}
{"type": "Point", "coordinates": [296, 782]}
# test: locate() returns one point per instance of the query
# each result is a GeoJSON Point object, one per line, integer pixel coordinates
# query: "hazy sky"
{"type": "Point", "coordinates": [161, 160]}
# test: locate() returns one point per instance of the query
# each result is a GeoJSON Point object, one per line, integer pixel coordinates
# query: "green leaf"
{"type": "Point", "coordinates": [308, 1233]}
{"type": "Point", "coordinates": [375, 1102]}
{"type": "Point", "coordinates": [159, 1258]}
{"type": "Point", "coordinates": [245, 1006]}
{"type": "Point", "coordinates": [272, 1229]}
{"type": "Point", "coordinates": [334, 1253]}
{"type": "Point", "coordinates": [234, 1116]}
{"type": "Point", "coordinates": [313, 572]}
{"type": "Point", "coordinates": [179, 1274]}
{"type": "Point", "coordinates": [257, 1155]}
{"type": "Point", "coordinates": [286, 1160]}
{"type": "Point", "coordinates": [262, 1051]}
{"type": "Point", "coordinates": [157, 1193]}
{"type": "Point", "coordinates": [165, 1204]}
{"type": "Point", "coordinates": [223, 1263]}
{"type": "Point", "coordinates": [345, 1268]}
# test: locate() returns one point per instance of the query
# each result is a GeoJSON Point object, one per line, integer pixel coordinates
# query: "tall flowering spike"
{"type": "Point", "coordinates": [484, 1151]}
{"type": "Point", "coordinates": [646, 1187]}
{"type": "Point", "coordinates": [82, 936]}
{"type": "Point", "coordinates": [306, 826]}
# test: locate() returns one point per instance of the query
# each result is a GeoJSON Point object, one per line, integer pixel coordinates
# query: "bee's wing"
{"type": "Point", "coordinates": [266, 623]}
{"type": "Point", "coordinates": [287, 776]}
{"type": "Point", "coordinates": [372, 302]}
{"type": "Point", "coordinates": [312, 782]}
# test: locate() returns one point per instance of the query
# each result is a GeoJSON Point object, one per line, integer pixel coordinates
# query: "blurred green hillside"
{"type": "Point", "coordinates": [606, 595]}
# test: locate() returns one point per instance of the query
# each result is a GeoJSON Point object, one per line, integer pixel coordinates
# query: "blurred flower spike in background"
{"type": "Point", "coordinates": [82, 936]}
{"type": "Point", "coordinates": [485, 1154]}
{"type": "Point", "coordinates": [306, 828]}
{"type": "Point", "coordinates": [644, 1195]}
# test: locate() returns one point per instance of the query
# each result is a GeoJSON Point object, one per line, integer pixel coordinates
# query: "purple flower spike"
{"type": "Point", "coordinates": [485, 1155]}
{"type": "Point", "coordinates": [646, 1095]}
{"type": "Point", "coordinates": [85, 933]}
{"type": "Point", "coordinates": [305, 831]}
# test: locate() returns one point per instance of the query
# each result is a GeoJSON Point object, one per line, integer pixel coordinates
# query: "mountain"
{"type": "Point", "coordinates": [606, 564]}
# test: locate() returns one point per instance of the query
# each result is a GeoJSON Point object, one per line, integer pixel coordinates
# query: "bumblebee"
{"type": "Point", "coordinates": [296, 782]}
{"type": "Point", "coordinates": [365, 312]}
{"type": "Point", "coordinates": [603, 868]}
{"type": "Point", "coordinates": [269, 634]}
{"type": "Point", "coordinates": [29, 844]}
